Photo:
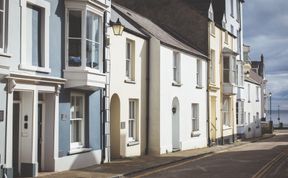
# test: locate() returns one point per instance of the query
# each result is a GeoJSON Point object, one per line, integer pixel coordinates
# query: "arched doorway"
{"type": "Point", "coordinates": [115, 126]}
{"type": "Point", "coordinates": [175, 125]}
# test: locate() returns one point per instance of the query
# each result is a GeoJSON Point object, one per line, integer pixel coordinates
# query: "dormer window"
{"type": "Point", "coordinates": [84, 47]}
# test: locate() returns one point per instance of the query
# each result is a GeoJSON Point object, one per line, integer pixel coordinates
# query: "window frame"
{"type": "Point", "coordinates": [195, 118]}
{"type": "Point", "coordinates": [226, 120]}
{"type": "Point", "coordinates": [212, 66]}
{"type": "Point", "coordinates": [132, 134]}
{"type": "Point", "coordinates": [81, 144]}
{"type": "Point", "coordinates": [232, 8]}
{"type": "Point", "coordinates": [199, 76]}
{"type": "Point", "coordinates": [130, 76]}
{"type": "Point", "coordinates": [84, 9]}
{"type": "Point", "coordinates": [257, 94]}
{"type": "Point", "coordinates": [249, 92]}
{"type": "Point", "coordinates": [231, 70]}
{"type": "Point", "coordinates": [45, 9]}
{"type": "Point", "coordinates": [5, 12]}
{"type": "Point", "coordinates": [176, 67]}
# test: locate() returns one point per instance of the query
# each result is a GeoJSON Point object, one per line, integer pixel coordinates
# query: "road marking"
{"type": "Point", "coordinates": [172, 166]}
{"type": "Point", "coordinates": [264, 170]}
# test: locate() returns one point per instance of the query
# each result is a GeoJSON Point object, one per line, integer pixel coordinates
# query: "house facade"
{"type": "Point", "coordinates": [175, 99]}
{"type": "Point", "coordinates": [54, 83]}
{"type": "Point", "coordinates": [128, 90]}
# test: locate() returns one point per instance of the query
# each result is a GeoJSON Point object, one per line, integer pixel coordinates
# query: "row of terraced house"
{"type": "Point", "coordinates": [84, 82]}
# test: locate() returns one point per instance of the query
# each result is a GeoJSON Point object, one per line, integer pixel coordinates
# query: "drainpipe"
{"type": "Point", "coordinates": [147, 96]}
{"type": "Point", "coordinates": [104, 94]}
{"type": "Point", "coordinates": [208, 106]}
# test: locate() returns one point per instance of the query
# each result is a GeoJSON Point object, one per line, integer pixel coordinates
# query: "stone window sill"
{"type": "Point", "coordinates": [35, 69]}
{"type": "Point", "coordinates": [195, 134]}
{"type": "Point", "coordinates": [199, 87]}
{"type": "Point", "coordinates": [133, 143]}
{"type": "Point", "coordinates": [129, 81]}
{"type": "Point", "coordinates": [5, 55]}
{"type": "Point", "coordinates": [176, 84]}
{"type": "Point", "coordinates": [79, 150]}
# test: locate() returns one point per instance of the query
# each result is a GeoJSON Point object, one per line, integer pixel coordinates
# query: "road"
{"type": "Point", "coordinates": [266, 159]}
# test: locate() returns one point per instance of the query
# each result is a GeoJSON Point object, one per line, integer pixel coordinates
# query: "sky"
{"type": "Point", "coordinates": [266, 32]}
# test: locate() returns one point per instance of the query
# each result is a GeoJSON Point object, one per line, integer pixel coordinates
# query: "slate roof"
{"type": "Point", "coordinates": [178, 17]}
{"type": "Point", "coordinates": [254, 78]}
{"type": "Point", "coordinates": [151, 28]}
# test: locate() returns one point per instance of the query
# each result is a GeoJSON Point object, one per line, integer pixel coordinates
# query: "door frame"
{"type": "Point", "coordinates": [43, 137]}
{"type": "Point", "coordinates": [19, 134]}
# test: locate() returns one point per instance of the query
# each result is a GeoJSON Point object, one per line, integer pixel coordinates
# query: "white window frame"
{"type": "Point", "coordinates": [84, 7]}
{"type": "Point", "coordinates": [129, 72]}
{"type": "Point", "coordinates": [249, 93]}
{"type": "Point", "coordinates": [77, 145]}
{"type": "Point", "coordinates": [2, 50]}
{"type": "Point", "coordinates": [45, 6]}
{"type": "Point", "coordinates": [133, 117]}
{"type": "Point", "coordinates": [226, 113]}
{"type": "Point", "coordinates": [176, 67]}
{"type": "Point", "coordinates": [212, 66]}
{"type": "Point", "coordinates": [195, 117]}
{"type": "Point", "coordinates": [232, 7]}
{"type": "Point", "coordinates": [226, 37]}
{"type": "Point", "coordinates": [199, 73]}
{"type": "Point", "coordinates": [231, 70]}
{"type": "Point", "coordinates": [257, 93]}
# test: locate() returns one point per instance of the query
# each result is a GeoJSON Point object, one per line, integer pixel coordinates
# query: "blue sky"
{"type": "Point", "coordinates": [266, 31]}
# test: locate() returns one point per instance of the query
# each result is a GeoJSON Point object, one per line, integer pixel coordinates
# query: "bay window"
{"type": "Point", "coordinates": [229, 69]}
{"type": "Point", "coordinates": [84, 39]}
{"type": "Point", "coordinates": [77, 121]}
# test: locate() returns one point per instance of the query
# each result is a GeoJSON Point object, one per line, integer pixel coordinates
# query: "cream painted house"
{"type": "Point", "coordinates": [177, 91]}
{"type": "Point", "coordinates": [128, 90]}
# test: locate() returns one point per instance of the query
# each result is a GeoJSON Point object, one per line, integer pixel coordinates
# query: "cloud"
{"type": "Point", "coordinates": [266, 31]}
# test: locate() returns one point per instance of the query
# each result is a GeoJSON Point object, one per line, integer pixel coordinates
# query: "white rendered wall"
{"type": "Point", "coordinates": [252, 107]}
{"type": "Point", "coordinates": [187, 94]}
{"type": "Point", "coordinates": [127, 91]}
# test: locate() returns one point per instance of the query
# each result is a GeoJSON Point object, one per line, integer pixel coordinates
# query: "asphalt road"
{"type": "Point", "coordinates": [265, 158]}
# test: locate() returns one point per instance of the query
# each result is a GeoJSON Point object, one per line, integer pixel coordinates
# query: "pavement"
{"type": "Point", "coordinates": [128, 167]}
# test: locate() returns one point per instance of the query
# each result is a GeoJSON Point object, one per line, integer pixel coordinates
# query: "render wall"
{"type": "Point", "coordinates": [187, 94]}
{"type": "Point", "coordinates": [125, 90]}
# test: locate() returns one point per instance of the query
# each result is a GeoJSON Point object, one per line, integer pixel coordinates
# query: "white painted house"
{"type": "Point", "coordinates": [178, 85]}
{"type": "Point", "coordinates": [128, 90]}
{"type": "Point", "coordinates": [250, 125]}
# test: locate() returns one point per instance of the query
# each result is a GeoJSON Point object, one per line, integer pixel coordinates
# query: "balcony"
{"type": "Point", "coordinates": [84, 79]}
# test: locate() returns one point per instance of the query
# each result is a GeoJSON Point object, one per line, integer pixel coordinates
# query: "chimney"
{"type": "Point", "coordinates": [262, 58]}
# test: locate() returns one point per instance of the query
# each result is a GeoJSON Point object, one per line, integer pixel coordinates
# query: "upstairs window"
{"type": "Point", "coordinates": [232, 7]}
{"type": "Point", "coordinates": [212, 66]}
{"type": "Point", "coordinates": [238, 10]}
{"type": "Point", "coordinates": [176, 67]}
{"type": "Point", "coordinates": [226, 37]}
{"type": "Point", "coordinates": [257, 94]}
{"type": "Point", "coordinates": [130, 61]}
{"type": "Point", "coordinates": [2, 24]}
{"type": "Point", "coordinates": [199, 73]}
{"type": "Point", "coordinates": [229, 69]}
{"type": "Point", "coordinates": [212, 28]}
{"type": "Point", "coordinates": [84, 39]}
{"type": "Point", "coordinates": [35, 35]}
{"type": "Point", "coordinates": [249, 90]}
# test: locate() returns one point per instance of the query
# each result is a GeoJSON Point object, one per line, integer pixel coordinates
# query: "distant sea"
{"type": "Point", "coordinates": [283, 114]}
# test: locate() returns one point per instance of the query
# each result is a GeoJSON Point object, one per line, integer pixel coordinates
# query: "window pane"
{"type": "Point", "coordinates": [128, 50]}
{"type": "Point", "coordinates": [1, 4]}
{"type": "Point", "coordinates": [74, 52]}
{"type": "Point", "coordinates": [75, 24]}
{"type": "Point", "coordinates": [93, 23]}
{"type": "Point", "coordinates": [226, 63]}
{"type": "Point", "coordinates": [92, 52]}
{"type": "Point", "coordinates": [1, 29]}
{"type": "Point", "coordinates": [33, 25]}
{"type": "Point", "coordinates": [75, 131]}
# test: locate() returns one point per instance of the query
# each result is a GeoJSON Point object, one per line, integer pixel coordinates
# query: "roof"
{"type": "Point", "coordinates": [128, 26]}
{"type": "Point", "coordinates": [151, 28]}
{"type": "Point", "coordinates": [254, 78]}
{"type": "Point", "coordinates": [178, 17]}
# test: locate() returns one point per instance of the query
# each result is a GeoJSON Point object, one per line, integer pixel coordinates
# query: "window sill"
{"type": "Point", "coordinates": [195, 133]}
{"type": "Point", "coordinates": [226, 127]}
{"type": "Point", "coordinates": [133, 143]}
{"type": "Point", "coordinates": [199, 87]}
{"type": "Point", "coordinates": [35, 69]}
{"type": "Point", "coordinates": [249, 101]}
{"type": "Point", "coordinates": [79, 150]}
{"type": "Point", "coordinates": [212, 34]}
{"type": "Point", "coordinates": [5, 55]}
{"type": "Point", "coordinates": [176, 84]}
{"type": "Point", "coordinates": [129, 81]}
{"type": "Point", "coordinates": [257, 100]}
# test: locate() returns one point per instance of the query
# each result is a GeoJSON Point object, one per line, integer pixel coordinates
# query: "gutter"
{"type": "Point", "coordinates": [147, 97]}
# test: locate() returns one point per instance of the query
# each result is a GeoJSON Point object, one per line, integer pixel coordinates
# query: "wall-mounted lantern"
{"type": "Point", "coordinates": [173, 110]}
{"type": "Point", "coordinates": [117, 27]}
